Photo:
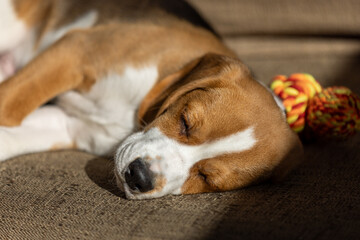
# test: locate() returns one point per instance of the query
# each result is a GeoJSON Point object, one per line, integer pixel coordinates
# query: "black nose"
{"type": "Point", "coordinates": [138, 176]}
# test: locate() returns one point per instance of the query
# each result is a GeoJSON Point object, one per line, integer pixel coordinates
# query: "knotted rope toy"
{"type": "Point", "coordinates": [333, 112]}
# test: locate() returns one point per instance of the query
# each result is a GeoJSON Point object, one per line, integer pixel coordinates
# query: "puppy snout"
{"type": "Point", "coordinates": [139, 177]}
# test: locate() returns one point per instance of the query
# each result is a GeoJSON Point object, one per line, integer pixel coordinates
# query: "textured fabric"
{"type": "Point", "coordinates": [71, 195]}
{"type": "Point", "coordinates": [332, 61]}
{"type": "Point", "coordinates": [309, 17]}
{"type": "Point", "coordinates": [319, 37]}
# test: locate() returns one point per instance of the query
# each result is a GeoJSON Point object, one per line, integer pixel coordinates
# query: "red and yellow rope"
{"type": "Point", "coordinates": [334, 111]}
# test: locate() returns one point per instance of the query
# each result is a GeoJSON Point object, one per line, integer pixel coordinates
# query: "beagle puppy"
{"type": "Point", "coordinates": [139, 80]}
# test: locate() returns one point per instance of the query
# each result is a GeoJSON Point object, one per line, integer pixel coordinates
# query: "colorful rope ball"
{"type": "Point", "coordinates": [333, 112]}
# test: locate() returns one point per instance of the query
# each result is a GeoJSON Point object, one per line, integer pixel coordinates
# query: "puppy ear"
{"type": "Point", "coordinates": [293, 156]}
{"type": "Point", "coordinates": [154, 101]}
{"type": "Point", "coordinates": [193, 75]}
{"type": "Point", "coordinates": [151, 104]}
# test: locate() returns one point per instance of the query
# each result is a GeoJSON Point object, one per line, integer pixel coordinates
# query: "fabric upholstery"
{"type": "Point", "coordinates": [332, 61]}
{"type": "Point", "coordinates": [320, 37]}
{"type": "Point", "coordinates": [300, 17]}
{"type": "Point", "coordinates": [71, 195]}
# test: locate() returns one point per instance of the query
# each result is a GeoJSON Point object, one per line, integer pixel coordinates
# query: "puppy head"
{"type": "Point", "coordinates": [210, 127]}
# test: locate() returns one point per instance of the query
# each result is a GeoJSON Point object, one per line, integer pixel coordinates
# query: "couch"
{"type": "Point", "coordinates": [71, 194]}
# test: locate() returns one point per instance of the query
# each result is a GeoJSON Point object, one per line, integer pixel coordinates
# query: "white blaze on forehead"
{"type": "Point", "coordinates": [173, 160]}
{"type": "Point", "coordinates": [237, 142]}
{"type": "Point", "coordinates": [12, 30]}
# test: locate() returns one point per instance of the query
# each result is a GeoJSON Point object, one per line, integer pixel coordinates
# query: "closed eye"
{"type": "Point", "coordinates": [184, 125]}
{"type": "Point", "coordinates": [203, 176]}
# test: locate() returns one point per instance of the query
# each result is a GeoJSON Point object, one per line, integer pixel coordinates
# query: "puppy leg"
{"type": "Point", "coordinates": [56, 70]}
{"type": "Point", "coordinates": [43, 130]}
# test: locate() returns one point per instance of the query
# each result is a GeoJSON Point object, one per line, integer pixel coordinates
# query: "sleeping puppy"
{"type": "Point", "coordinates": [140, 80]}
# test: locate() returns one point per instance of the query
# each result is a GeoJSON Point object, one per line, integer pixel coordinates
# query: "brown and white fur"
{"type": "Point", "coordinates": [133, 79]}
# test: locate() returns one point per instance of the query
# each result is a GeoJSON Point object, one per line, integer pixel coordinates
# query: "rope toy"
{"type": "Point", "coordinates": [333, 112]}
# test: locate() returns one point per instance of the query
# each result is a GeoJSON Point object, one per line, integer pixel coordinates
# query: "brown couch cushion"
{"type": "Point", "coordinates": [300, 17]}
{"type": "Point", "coordinates": [71, 195]}
{"type": "Point", "coordinates": [282, 37]}
{"type": "Point", "coordinates": [332, 61]}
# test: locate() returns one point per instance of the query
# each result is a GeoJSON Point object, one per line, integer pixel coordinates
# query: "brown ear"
{"type": "Point", "coordinates": [153, 101]}
{"type": "Point", "coordinates": [293, 157]}
{"type": "Point", "coordinates": [192, 75]}
{"type": "Point", "coordinates": [148, 105]}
